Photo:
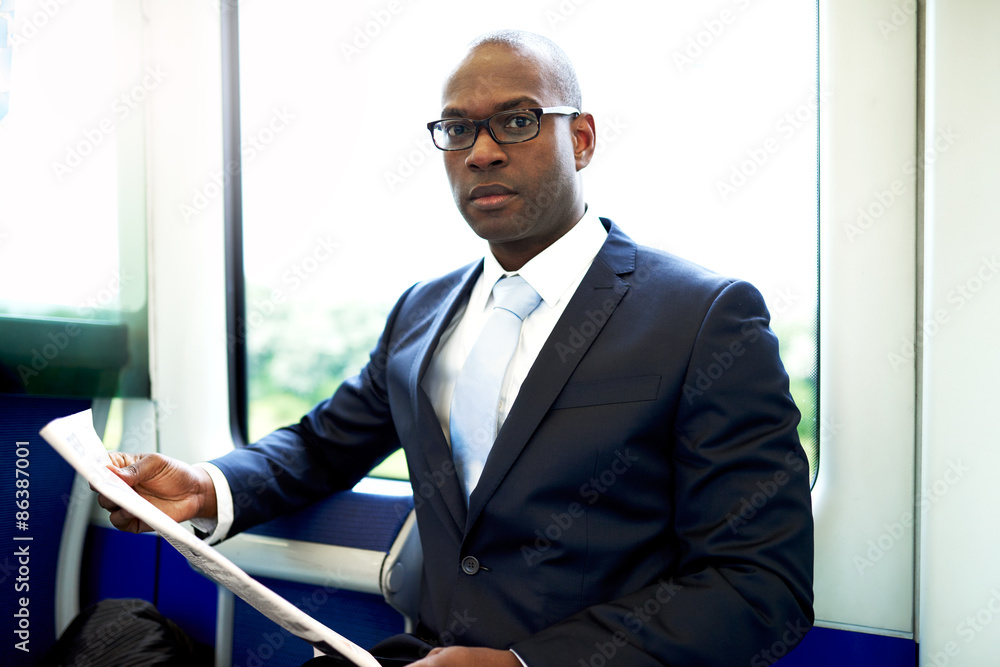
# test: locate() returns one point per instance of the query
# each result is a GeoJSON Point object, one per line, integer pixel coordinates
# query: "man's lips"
{"type": "Point", "coordinates": [490, 196]}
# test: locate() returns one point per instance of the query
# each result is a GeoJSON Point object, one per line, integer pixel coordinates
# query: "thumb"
{"type": "Point", "coordinates": [126, 467]}
{"type": "Point", "coordinates": [128, 474]}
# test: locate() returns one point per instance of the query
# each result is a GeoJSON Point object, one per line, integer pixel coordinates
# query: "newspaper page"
{"type": "Point", "coordinates": [77, 442]}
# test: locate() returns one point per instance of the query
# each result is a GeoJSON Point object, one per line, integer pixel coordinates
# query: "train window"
{"type": "Point", "coordinates": [707, 147]}
{"type": "Point", "coordinates": [72, 221]}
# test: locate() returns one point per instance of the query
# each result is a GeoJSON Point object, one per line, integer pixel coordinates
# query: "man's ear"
{"type": "Point", "coordinates": [584, 139]}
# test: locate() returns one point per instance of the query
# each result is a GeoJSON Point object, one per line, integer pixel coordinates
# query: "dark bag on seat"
{"type": "Point", "coordinates": [125, 633]}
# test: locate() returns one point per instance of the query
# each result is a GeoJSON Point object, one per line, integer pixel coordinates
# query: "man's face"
{"type": "Point", "coordinates": [519, 197]}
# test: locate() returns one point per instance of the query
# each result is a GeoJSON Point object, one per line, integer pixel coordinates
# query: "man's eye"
{"type": "Point", "coordinates": [520, 121]}
{"type": "Point", "coordinates": [455, 129]}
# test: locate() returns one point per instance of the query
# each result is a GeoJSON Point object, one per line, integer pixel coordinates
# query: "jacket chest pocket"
{"type": "Point", "coordinates": [608, 392]}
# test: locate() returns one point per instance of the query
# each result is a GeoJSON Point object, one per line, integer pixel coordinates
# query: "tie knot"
{"type": "Point", "coordinates": [516, 295]}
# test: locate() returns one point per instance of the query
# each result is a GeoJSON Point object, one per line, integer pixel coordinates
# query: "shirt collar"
{"type": "Point", "coordinates": [554, 270]}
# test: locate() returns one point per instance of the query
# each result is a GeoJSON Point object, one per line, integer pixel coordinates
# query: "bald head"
{"type": "Point", "coordinates": [561, 74]}
{"type": "Point", "coordinates": [521, 196]}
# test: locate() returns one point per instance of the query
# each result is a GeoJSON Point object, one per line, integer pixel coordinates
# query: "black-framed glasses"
{"type": "Point", "coordinates": [506, 127]}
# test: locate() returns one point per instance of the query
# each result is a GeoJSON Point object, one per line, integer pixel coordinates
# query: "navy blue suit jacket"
{"type": "Point", "coordinates": [646, 498]}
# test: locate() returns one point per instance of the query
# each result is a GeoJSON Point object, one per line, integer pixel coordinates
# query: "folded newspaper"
{"type": "Point", "coordinates": [77, 442]}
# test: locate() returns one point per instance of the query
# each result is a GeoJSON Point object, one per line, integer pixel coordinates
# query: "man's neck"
{"type": "Point", "coordinates": [512, 255]}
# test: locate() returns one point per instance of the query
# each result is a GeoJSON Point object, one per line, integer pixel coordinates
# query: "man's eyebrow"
{"type": "Point", "coordinates": [515, 103]}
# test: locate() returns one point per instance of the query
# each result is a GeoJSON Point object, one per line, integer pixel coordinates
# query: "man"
{"type": "Point", "coordinates": [642, 412]}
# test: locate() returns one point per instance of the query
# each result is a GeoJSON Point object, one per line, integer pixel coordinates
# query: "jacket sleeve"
{"type": "Point", "coordinates": [333, 446]}
{"type": "Point", "coordinates": [742, 591]}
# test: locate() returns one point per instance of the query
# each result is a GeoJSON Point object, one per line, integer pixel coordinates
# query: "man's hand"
{"type": "Point", "coordinates": [463, 656]}
{"type": "Point", "coordinates": [180, 490]}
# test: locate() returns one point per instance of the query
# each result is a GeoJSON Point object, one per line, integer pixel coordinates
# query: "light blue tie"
{"type": "Point", "coordinates": [476, 400]}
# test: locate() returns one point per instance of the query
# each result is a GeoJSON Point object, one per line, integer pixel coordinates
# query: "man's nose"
{"type": "Point", "coordinates": [486, 153]}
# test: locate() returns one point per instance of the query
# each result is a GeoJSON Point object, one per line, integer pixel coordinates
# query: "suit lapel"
{"type": "Point", "coordinates": [602, 289]}
{"type": "Point", "coordinates": [435, 448]}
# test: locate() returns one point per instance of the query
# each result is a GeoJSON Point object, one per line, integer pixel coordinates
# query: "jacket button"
{"type": "Point", "coordinates": [470, 565]}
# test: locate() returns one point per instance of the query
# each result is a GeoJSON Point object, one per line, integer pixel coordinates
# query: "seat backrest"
{"type": "Point", "coordinates": [401, 574]}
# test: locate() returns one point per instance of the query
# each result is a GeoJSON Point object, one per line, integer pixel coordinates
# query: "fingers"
{"type": "Point", "coordinates": [121, 461]}
{"type": "Point", "coordinates": [124, 521]}
{"type": "Point", "coordinates": [121, 519]}
{"type": "Point", "coordinates": [179, 490]}
{"type": "Point", "coordinates": [431, 659]}
{"type": "Point", "coordinates": [118, 459]}
{"type": "Point", "coordinates": [127, 468]}
{"type": "Point", "coordinates": [107, 503]}
{"type": "Point", "coordinates": [461, 656]}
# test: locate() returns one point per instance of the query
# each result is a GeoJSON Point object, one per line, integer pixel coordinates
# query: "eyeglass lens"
{"type": "Point", "coordinates": [506, 127]}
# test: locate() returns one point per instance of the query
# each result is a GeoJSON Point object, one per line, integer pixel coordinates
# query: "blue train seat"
{"type": "Point", "coordinates": [42, 537]}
